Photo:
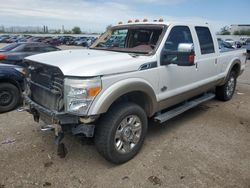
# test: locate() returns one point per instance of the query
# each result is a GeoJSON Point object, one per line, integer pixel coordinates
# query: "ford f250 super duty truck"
{"type": "Point", "coordinates": [133, 72]}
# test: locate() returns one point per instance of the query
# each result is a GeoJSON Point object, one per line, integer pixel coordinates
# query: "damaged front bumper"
{"type": "Point", "coordinates": [60, 122]}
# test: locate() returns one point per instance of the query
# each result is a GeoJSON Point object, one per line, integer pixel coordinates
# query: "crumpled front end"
{"type": "Point", "coordinates": [44, 96]}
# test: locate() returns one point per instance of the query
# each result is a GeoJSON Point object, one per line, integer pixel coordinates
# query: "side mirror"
{"type": "Point", "coordinates": [183, 56]}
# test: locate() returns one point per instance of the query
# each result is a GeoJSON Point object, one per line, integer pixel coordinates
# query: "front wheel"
{"type": "Point", "coordinates": [9, 97]}
{"type": "Point", "coordinates": [120, 133]}
{"type": "Point", "coordinates": [226, 91]}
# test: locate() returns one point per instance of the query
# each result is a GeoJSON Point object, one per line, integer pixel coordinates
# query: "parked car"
{"type": "Point", "coordinates": [248, 50]}
{"type": "Point", "coordinates": [11, 39]}
{"type": "Point", "coordinates": [23, 38]}
{"type": "Point", "coordinates": [247, 41]}
{"type": "Point", "coordinates": [4, 38]}
{"type": "Point", "coordinates": [238, 44]}
{"type": "Point", "coordinates": [52, 41]}
{"type": "Point", "coordinates": [16, 52]}
{"type": "Point", "coordinates": [230, 41]}
{"type": "Point", "coordinates": [70, 41]}
{"type": "Point", "coordinates": [225, 45]}
{"type": "Point", "coordinates": [90, 41]}
{"type": "Point", "coordinates": [11, 86]}
{"type": "Point", "coordinates": [154, 70]}
{"type": "Point", "coordinates": [65, 39]}
{"type": "Point", "coordinates": [80, 41]}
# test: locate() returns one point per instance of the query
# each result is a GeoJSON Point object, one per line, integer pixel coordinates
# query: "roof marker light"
{"type": "Point", "coordinates": [130, 21]}
{"type": "Point", "coordinates": [145, 20]}
{"type": "Point", "coordinates": [137, 20]}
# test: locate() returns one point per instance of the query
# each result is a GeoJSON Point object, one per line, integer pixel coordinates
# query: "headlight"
{"type": "Point", "coordinates": [79, 94]}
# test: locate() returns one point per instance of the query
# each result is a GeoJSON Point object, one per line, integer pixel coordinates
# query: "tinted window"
{"type": "Point", "coordinates": [48, 49]}
{"type": "Point", "coordinates": [29, 48]}
{"type": "Point", "coordinates": [205, 40]}
{"type": "Point", "coordinates": [178, 35]}
{"type": "Point", "coordinates": [173, 52]}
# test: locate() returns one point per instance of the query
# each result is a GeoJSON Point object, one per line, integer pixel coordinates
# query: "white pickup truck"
{"type": "Point", "coordinates": [133, 72]}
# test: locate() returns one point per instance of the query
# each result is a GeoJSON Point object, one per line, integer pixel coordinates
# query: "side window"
{"type": "Point", "coordinates": [205, 40]}
{"type": "Point", "coordinates": [177, 36]}
{"type": "Point", "coordinates": [28, 48]}
{"type": "Point", "coordinates": [47, 49]}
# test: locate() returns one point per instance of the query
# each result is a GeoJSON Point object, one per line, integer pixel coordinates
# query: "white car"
{"type": "Point", "coordinates": [152, 70]}
{"type": "Point", "coordinates": [230, 41]}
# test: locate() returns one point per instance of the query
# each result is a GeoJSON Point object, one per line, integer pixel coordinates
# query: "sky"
{"type": "Point", "coordinates": [95, 15]}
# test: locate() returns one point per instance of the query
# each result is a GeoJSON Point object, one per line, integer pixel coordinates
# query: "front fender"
{"type": "Point", "coordinates": [115, 91]}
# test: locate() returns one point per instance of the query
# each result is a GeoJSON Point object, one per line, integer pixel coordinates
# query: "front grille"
{"type": "Point", "coordinates": [46, 86]}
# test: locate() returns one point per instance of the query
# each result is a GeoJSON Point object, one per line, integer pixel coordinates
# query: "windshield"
{"type": "Point", "coordinates": [133, 39]}
{"type": "Point", "coordinates": [10, 47]}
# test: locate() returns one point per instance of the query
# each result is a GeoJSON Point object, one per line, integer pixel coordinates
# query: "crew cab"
{"type": "Point", "coordinates": [133, 72]}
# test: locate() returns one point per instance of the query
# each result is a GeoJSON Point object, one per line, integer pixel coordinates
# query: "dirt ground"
{"type": "Point", "coordinates": [208, 146]}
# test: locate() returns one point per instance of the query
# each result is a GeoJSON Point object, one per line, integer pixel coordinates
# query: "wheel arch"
{"type": "Point", "coordinates": [236, 66]}
{"type": "Point", "coordinates": [11, 81]}
{"type": "Point", "coordinates": [139, 92]}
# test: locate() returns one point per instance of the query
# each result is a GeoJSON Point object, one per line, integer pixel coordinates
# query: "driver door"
{"type": "Point", "coordinates": [176, 82]}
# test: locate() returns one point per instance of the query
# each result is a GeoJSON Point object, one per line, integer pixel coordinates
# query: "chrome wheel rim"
{"type": "Point", "coordinates": [128, 134]}
{"type": "Point", "coordinates": [230, 86]}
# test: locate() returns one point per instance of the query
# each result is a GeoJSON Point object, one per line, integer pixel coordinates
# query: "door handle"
{"type": "Point", "coordinates": [196, 65]}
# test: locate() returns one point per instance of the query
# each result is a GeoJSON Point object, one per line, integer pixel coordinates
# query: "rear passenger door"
{"type": "Point", "coordinates": [206, 57]}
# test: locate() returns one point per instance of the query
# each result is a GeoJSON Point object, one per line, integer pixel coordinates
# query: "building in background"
{"type": "Point", "coordinates": [240, 27]}
{"type": "Point", "coordinates": [24, 29]}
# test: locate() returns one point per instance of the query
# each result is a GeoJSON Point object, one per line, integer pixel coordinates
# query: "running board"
{"type": "Point", "coordinates": [180, 109]}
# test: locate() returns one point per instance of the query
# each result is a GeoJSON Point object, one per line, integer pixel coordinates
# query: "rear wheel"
{"type": "Point", "coordinates": [120, 133]}
{"type": "Point", "coordinates": [9, 97]}
{"type": "Point", "coordinates": [226, 91]}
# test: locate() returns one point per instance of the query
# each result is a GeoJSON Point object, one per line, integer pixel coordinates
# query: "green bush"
{"type": "Point", "coordinates": [242, 32]}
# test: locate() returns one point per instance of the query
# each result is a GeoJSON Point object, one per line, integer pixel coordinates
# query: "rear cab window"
{"type": "Point", "coordinates": [205, 40]}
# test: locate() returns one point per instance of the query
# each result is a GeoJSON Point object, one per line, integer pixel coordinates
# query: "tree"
{"type": "Point", "coordinates": [225, 31]}
{"type": "Point", "coordinates": [236, 33]}
{"type": "Point", "coordinates": [76, 30]}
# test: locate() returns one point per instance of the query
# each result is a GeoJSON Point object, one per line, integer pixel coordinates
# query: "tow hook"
{"type": "Point", "coordinates": [47, 128]}
{"type": "Point", "coordinates": [23, 109]}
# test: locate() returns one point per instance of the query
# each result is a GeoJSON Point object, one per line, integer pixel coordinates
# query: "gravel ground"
{"type": "Point", "coordinates": [208, 146]}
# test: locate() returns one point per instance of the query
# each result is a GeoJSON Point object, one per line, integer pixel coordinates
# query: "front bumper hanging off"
{"type": "Point", "coordinates": [58, 121]}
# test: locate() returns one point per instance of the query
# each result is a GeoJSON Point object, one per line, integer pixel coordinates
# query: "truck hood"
{"type": "Point", "coordinates": [88, 62]}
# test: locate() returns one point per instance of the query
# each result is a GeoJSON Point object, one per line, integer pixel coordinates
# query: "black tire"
{"type": "Point", "coordinates": [108, 126]}
{"type": "Point", "coordinates": [9, 97]}
{"type": "Point", "coordinates": [226, 91]}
